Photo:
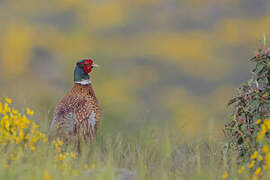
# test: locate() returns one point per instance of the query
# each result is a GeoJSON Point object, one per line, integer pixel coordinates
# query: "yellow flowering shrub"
{"type": "Point", "coordinates": [248, 131]}
{"type": "Point", "coordinates": [16, 128]}
{"type": "Point", "coordinates": [23, 134]}
{"type": "Point", "coordinates": [259, 164]}
{"type": "Point", "coordinates": [251, 105]}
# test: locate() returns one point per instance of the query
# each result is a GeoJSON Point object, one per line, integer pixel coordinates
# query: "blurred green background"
{"type": "Point", "coordinates": [161, 61]}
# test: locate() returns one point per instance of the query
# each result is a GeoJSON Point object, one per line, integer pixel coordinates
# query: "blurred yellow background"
{"type": "Point", "coordinates": [161, 61]}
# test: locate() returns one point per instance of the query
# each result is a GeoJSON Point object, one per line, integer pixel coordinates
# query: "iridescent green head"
{"type": "Point", "coordinates": [83, 69]}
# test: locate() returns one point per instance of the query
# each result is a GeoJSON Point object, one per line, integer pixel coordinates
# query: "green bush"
{"type": "Point", "coordinates": [248, 132]}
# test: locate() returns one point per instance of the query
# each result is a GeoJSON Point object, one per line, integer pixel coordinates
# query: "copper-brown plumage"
{"type": "Point", "coordinates": [76, 116]}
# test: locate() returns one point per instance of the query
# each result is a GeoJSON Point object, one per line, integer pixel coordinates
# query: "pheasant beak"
{"type": "Point", "coordinates": [95, 65]}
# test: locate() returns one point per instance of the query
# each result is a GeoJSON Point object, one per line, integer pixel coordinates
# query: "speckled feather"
{"type": "Point", "coordinates": [76, 116]}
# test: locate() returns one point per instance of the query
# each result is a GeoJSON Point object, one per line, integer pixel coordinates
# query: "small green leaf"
{"type": "Point", "coordinates": [259, 67]}
{"type": "Point", "coordinates": [255, 104]}
{"type": "Point", "coordinates": [250, 82]}
{"type": "Point", "coordinates": [264, 80]}
{"type": "Point", "coordinates": [231, 101]}
{"type": "Point", "coordinates": [244, 127]}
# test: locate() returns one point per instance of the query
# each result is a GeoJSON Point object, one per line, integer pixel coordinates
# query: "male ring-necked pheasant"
{"type": "Point", "coordinates": [76, 115]}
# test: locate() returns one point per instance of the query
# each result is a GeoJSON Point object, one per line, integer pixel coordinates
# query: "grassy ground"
{"type": "Point", "coordinates": [151, 153]}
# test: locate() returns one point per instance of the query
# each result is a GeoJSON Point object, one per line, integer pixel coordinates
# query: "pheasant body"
{"type": "Point", "coordinates": [76, 115]}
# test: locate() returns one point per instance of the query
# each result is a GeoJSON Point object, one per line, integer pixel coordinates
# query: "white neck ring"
{"type": "Point", "coordinates": [84, 82]}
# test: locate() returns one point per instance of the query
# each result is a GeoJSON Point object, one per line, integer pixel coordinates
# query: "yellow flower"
{"type": "Point", "coordinates": [73, 155]}
{"type": "Point", "coordinates": [34, 125]}
{"type": "Point", "coordinates": [1, 107]}
{"type": "Point", "coordinates": [29, 112]}
{"type": "Point", "coordinates": [267, 159]}
{"type": "Point", "coordinates": [242, 168]}
{"type": "Point", "coordinates": [8, 100]}
{"type": "Point", "coordinates": [47, 176]}
{"type": "Point", "coordinates": [267, 123]}
{"type": "Point", "coordinates": [263, 129]}
{"type": "Point", "coordinates": [225, 175]}
{"type": "Point", "coordinates": [251, 164]}
{"type": "Point", "coordinates": [239, 171]}
{"type": "Point", "coordinates": [27, 136]}
{"type": "Point", "coordinates": [61, 157]}
{"type": "Point", "coordinates": [258, 170]}
{"type": "Point", "coordinates": [258, 121]}
{"type": "Point", "coordinates": [7, 125]}
{"type": "Point", "coordinates": [14, 111]}
{"type": "Point", "coordinates": [254, 155]}
{"type": "Point", "coordinates": [59, 142]}
{"type": "Point", "coordinates": [6, 109]}
{"type": "Point", "coordinates": [260, 157]}
{"type": "Point", "coordinates": [21, 134]}
{"type": "Point", "coordinates": [32, 147]}
{"type": "Point", "coordinates": [265, 149]}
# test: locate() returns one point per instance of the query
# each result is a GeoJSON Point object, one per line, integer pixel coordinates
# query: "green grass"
{"type": "Point", "coordinates": [151, 153]}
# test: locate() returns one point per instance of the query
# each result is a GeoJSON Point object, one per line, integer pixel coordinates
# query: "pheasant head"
{"type": "Point", "coordinates": [82, 70]}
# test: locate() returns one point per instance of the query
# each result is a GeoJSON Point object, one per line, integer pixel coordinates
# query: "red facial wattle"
{"type": "Point", "coordinates": [87, 68]}
{"type": "Point", "coordinates": [87, 65]}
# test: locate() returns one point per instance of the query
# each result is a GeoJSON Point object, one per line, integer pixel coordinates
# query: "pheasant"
{"type": "Point", "coordinates": [76, 115]}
